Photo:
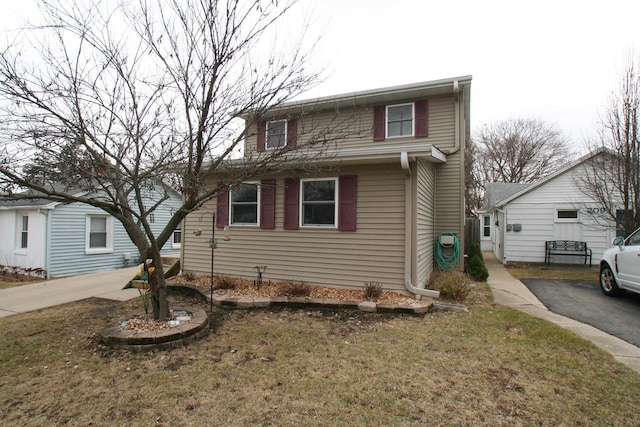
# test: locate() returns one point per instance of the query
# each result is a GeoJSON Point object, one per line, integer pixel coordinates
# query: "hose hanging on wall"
{"type": "Point", "coordinates": [447, 251]}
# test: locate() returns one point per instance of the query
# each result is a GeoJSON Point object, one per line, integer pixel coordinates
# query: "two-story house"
{"type": "Point", "coordinates": [373, 213]}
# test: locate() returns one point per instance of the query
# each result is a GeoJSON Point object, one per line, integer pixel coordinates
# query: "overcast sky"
{"type": "Point", "coordinates": [556, 60]}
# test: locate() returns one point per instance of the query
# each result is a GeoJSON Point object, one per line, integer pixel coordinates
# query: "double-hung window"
{"type": "Point", "coordinates": [177, 237]}
{"type": "Point", "coordinates": [486, 226]}
{"type": "Point", "coordinates": [23, 235]}
{"type": "Point", "coordinates": [276, 134]}
{"type": "Point", "coordinates": [318, 202]}
{"type": "Point", "coordinates": [399, 120]}
{"type": "Point", "coordinates": [244, 204]}
{"type": "Point", "coordinates": [99, 234]}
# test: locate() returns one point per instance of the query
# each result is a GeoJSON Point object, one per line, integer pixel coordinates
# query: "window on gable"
{"type": "Point", "coordinates": [399, 120]}
{"type": "Point", "coordinates": [276, 134]}
{"type": "Point", "coordinates": [318, 202]}
{"type": "Point", "coordinates": [24, 232]}
{"type": "Point", "coordinates": [486, 227]}
{"type": "Point", "coordinates": [99, 234]}
{"type": "Point", "coordinates": [244, 204]}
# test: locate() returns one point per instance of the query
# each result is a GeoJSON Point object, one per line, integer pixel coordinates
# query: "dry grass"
{"type": "Point", "coordinates": [493, 366]}
{"type": "Point", "coordinates": [522, 270]}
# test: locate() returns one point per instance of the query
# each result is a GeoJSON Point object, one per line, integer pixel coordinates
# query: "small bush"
{"type": "Point", "coordinates": [189, 276]}
{"type": "Point", "coordinates": [477, 270]}
{"type": "Point", "coordinates": [295, 289]}
{"type": "Point", "coordinates": [223, 282]}
{"type": "Point", "coordinates": [452, 285]}
{"type": "Point", "coordinates": [372, 290]}
{"type": "Point", "coordinates": [474, 249]}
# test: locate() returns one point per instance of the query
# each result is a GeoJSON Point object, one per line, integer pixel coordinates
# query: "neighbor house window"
{"type": "Point", "coordinates": [276, 134]}
{"type": "Point", "coordinates": [567, 215]}
{"type": "Point", "coordinates": [244, 204]}
{"type": "Point", "coordinates": [23, 237]}
{"type": "Point", "coordinates": [177, 237]}
{"type": "Point", "coordinates": [486, 226]}
{"type": "Point", "coordinates": [99, 234]}
{"type": "Point", "coordinates": [318, 202]}
{"type": "Point", "coordinates": [399, 120]}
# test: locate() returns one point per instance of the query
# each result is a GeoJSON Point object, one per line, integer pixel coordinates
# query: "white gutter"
{"type": "Point", "coordinates": [408, 233]}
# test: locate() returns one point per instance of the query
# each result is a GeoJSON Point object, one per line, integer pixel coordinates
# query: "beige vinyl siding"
{"type": "Point", "coordinates": [328, 257]}
{"type": "Point", "coordinates": [354, 128]}
{"type": "Point", "coordinates": [450, 183]}
{"type": "Point", "coordinates": [424, 221]}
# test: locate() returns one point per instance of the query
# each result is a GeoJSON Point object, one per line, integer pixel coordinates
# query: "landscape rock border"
{"type": "Point", "coordinates": [177, 336]}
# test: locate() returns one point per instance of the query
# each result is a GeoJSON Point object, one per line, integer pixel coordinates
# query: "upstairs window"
{"type": "Point", "coordinates": [399, 120]}
{"type": "Point", "coordinates": [318, 202]}
{"type": "Point", "coordinates": [276, 134]}
{"type": "Point", "coordinates": [244, 204]}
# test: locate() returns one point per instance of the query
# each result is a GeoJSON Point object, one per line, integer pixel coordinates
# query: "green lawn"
{"type": "Point", "coordinates": [493, 366]}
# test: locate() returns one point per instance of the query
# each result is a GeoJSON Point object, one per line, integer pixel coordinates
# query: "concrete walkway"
{"type": "Point", "coordinates": [104, 284]}
{"type": "Point", "coordinates": [509, 291]}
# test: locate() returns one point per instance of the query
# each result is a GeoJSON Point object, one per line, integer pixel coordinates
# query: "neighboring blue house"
{"type": "Point", "coordinates": [66, 239]}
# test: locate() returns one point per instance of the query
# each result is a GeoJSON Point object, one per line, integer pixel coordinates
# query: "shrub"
{"type": "Point", "coordinates": [223, 282]}
{"type": "Point", "coordinates": [477, 270]}
{"type": "Point", "coordinates": [295, 289]}
{"type": "Point", "coordinates": [189, 276]}
{"type": "Point", "coordinates": [452, 285]}
{"type": "Point", "coordinates": [474, 250]}
{"type": "Point", "coordinates": [372, 290]}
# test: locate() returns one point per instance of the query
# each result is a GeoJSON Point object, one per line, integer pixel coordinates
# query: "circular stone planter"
{"type": "Point", "coordinates": [175, 336]}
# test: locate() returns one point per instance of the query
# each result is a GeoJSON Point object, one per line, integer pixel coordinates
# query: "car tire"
{"type": "Point", "coordinates": [608, 282]}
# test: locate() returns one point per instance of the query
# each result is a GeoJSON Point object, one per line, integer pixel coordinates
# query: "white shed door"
{"type": "Point", "coordinates": [567, 231]}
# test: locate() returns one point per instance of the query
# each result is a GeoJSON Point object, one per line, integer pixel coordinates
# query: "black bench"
{"type": "Point", "coordinates": [566, 247]}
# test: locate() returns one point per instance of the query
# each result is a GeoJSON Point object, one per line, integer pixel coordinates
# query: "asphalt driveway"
{"type": "Point", "coordinates": [584, 301]}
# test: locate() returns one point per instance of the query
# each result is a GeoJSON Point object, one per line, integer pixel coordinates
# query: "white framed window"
{"type": "Point", "coordinates": [318, 205]}
{"type": "Point", "coordinates": [567, 215]}
{"type": "Point", "coordinates": [243, 204]}
{"type": "Point", "coordinates": [400, 120]}
{"type": "Point", "coordinates": [23, 232]}
{"type": "Point", "coordinates": [276, 134]}
{"type": "Point", "coordinates": [99, 234]}
{"type": "Point", "coordinates": [176, 241]}
{"type": "Point", "coordinates": [486, 226]}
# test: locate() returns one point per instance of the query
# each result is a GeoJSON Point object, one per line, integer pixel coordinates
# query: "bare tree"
{"type": "Point", "coordinates": [144, 96]}
{"type": "Point", "coordinates": [473, 186]}
{"type": "Point", "coordinates": [519, 150]}
{"type": "Point", "coordinates": [612, 179]}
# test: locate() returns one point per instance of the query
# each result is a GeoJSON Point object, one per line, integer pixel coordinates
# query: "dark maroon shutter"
{"type": "Point", "coordinates": [262, 134]}
{"type": "Point", "coordinates": [422, 122]}
{"type": "Point", "coordinates": [292, 133]}
{"type": "Point", "coordinates": [291, 200]}
{"type": "Point", "coordinates": [222, 209]}
{"type": "Point", "coordinates": [347, 196]}
{"type": "Point", "coordinates": [268, 203]}
{"type": "Point", "coordinates": [379, 125]}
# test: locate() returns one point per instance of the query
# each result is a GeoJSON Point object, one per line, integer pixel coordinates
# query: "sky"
{"type": "Point", "coordinates": [554, 60]}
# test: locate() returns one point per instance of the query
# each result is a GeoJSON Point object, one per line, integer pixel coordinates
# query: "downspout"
{"type": "Point", "coordinates": [408, 233]}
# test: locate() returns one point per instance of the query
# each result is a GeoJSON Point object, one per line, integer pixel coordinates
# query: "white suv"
{"type": "Point", "coordinates": [620, 266]}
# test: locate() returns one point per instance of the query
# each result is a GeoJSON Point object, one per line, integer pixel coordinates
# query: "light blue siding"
{"type": "Point", "coordinates": [67, 254]}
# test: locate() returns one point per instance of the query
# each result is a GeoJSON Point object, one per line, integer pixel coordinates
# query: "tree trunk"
{"type": "Point", "coordinates": [158, 288]}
